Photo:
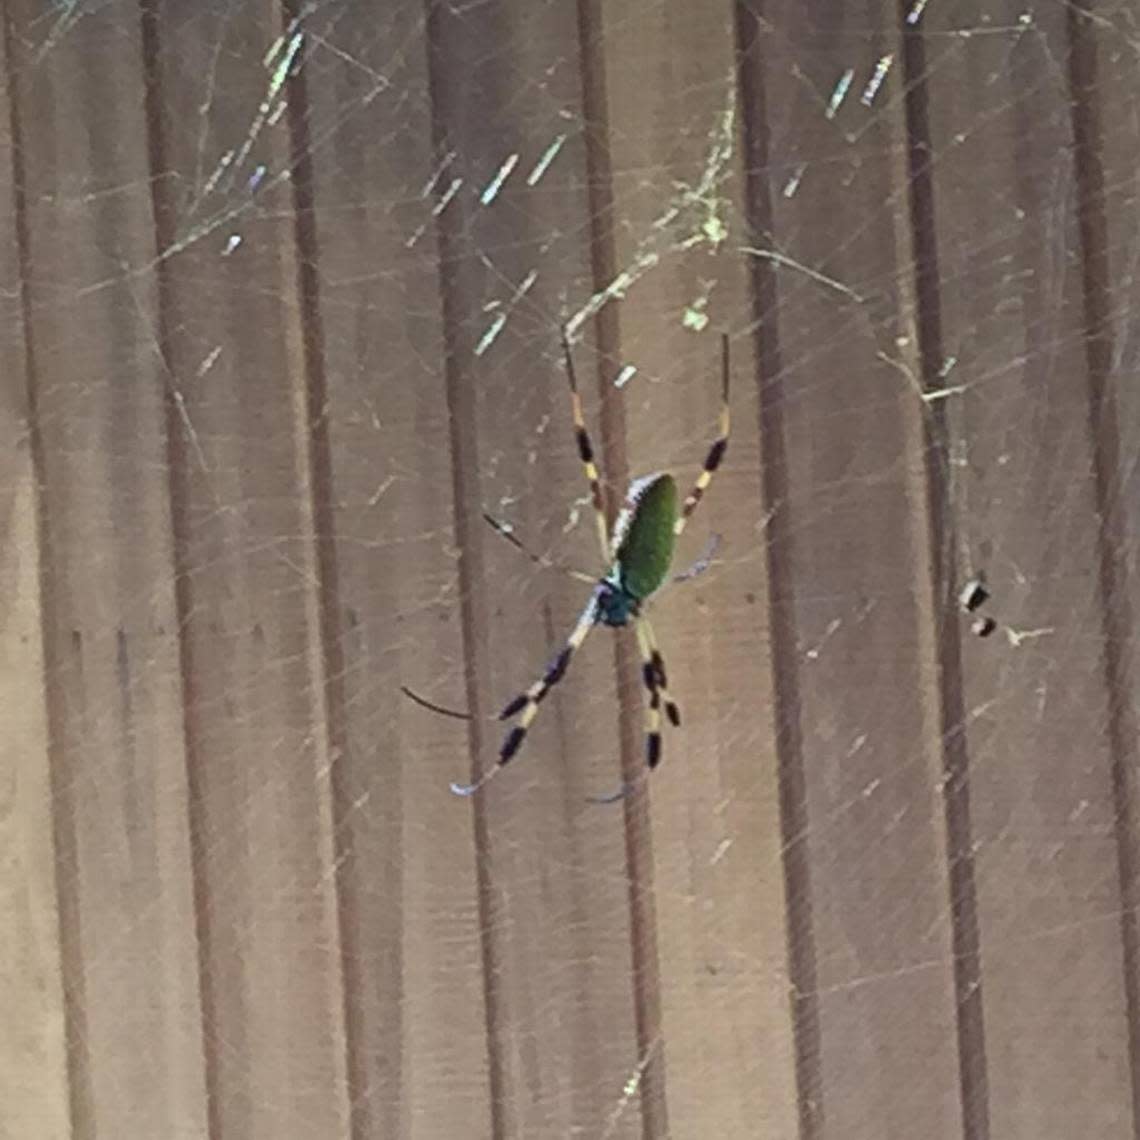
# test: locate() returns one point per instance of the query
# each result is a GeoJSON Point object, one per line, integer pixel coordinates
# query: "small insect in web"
{"type": "Point", "coordinates": [637, 554]}
{"type": "Point", "coordinates": [971, 598]}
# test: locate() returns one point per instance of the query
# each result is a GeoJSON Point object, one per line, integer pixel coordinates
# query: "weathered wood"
{"type": "Point", "coordinates": [1015, 288]}
{"type": "Point", "coordinates": [283, 289]}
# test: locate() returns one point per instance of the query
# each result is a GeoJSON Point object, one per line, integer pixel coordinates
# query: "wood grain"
{"type": "Point", "coordinates": [283, 287]}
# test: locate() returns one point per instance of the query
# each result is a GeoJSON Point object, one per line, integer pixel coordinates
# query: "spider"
{"type": "Point", "coordinates": [638, 553]}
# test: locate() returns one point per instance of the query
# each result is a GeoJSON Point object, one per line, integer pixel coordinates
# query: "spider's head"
{"type": "Point", "coordinates": [616, 605]}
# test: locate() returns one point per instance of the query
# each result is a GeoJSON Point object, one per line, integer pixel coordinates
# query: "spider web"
{"type": "Point", "coordinates": [282, 302]}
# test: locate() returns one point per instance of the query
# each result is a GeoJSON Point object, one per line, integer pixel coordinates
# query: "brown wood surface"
{"type": "Point", "coordinates": [273, 343]}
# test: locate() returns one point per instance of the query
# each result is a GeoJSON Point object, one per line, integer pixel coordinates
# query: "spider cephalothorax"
{"type": "Point", "coordinates": [616, 605]}
{"type": "Point", "coordinates": [638, 552]}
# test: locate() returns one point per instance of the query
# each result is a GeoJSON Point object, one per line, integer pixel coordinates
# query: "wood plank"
{"type": "Point", "coordinates": [719, 897]}
{"type": "Point", "coordinates": [848, 542]}
{"type": "Point", "coordinates": [244, 490]}
{"type": "Point", "coordinates": [510, 257]}
{"type": "Point", "coordinates": [33, 1050]}
{"type": "Point", "coordinates": [1109, 35]}
{"type": "Point", "coordinates": [1013, 298]}
{"type": "Point", "coordinates": [110, 662]}
{"type": "Point", "coordinates": [416, 1033]}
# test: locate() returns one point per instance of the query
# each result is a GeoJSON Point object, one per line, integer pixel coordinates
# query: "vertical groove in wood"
{"type": "Point", "coordinates": [645, 961]}
{"type": "Point", "coordinates": [460, 399]}
{"type": "Point", "coordinates": [177, 458]}
{"type": "Point", "coordinates": [64, 841]}
{"type": "Point", "coordinates": [317, 445]}
{"type": "Point", "coordinates": [132, 809]}
{"type": "Point", "coordinates": [779, 559]}
{"type": "Point", "coordinates": [1112, 544]}
{"type": "Point", "coordinates": [965, 935]}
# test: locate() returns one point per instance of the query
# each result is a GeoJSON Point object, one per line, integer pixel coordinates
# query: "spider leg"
{"type": "Point", "coordinates": [702, 563]}
{"type": "Point", "coordinates": [506, 531]}
{"type": "Point", "coordinates": [657, 663]}
{"type": "Point", "coordinates": [586, 454]}
{"type": "Point", "coordinates": [716, 452]}
{"type": "Point", "coordinates": [650, 678]}
{"type": "Point", "coordinates": [527, 702]}
{"type": "Point", "coordinates": [653, 678]}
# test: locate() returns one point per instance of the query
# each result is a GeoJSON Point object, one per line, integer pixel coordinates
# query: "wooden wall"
{"type": "Point", "coordinates": [280, 298]}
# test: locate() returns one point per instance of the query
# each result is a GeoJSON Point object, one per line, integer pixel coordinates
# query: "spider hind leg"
{"type": "Point", "coordinates": [537, 692]}
{"type": "Point", "coordinates": [526, 704]}
{"type": "Point", "coordinates": [657, 663]}
{"type": "Point", "coordinates": [654, 680]}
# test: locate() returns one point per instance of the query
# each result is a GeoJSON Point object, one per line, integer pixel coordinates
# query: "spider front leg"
{"type": "Point", "coordinates": [586, 454]}
{"type": "Point", "coordinates": [716, 452]}
{"type": "Point", "coordinates": [527, 702]}
{"type": "Point", "coordinates": [504, 530]}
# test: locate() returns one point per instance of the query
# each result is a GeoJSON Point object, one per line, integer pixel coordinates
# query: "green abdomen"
{"type": "Point", "coordinates": [645, 535]}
